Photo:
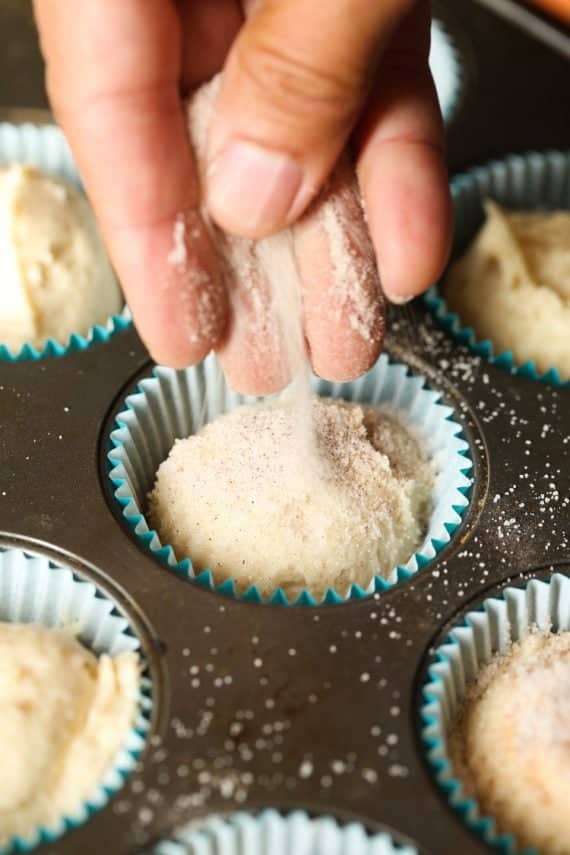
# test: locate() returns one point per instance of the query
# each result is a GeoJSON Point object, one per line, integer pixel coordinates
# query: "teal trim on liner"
{"type": "Point", "coordinates": [451, 322]}
{"type": "Point", "coordinates": [96, 335]}
{"type": "Point", "coordinates": [150, 539]}
{"type": "Point", "coordinates": [45, 147]}
{"type": "Point", "coordinates": [535, 180]}
{"type": "Point", "coordinates": [467, 808]}
{"type": "Point", "coordinates": [18, 570]}
{"type": "Point", "coordinates": [455, 664]}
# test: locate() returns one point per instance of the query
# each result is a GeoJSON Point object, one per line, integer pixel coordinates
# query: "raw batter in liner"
{"type": "Point", "coordinates": [511, 743]}
{"type": "Point", "coordinates": [298, 493]}
{"type": "Point", "coordinates": [513, 286]}
{"type": "Point", "coordinates": [56, 279]}
{"type": "Point", "coordinates": [245, 498]}
{"type": "Point", "coordinates": [64, 715]}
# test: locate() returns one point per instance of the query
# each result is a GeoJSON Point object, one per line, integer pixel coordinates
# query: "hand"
{"type": "Point", "coordinates": [299, 79]}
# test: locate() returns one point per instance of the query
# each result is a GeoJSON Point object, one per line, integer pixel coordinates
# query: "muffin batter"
{"type": "Point", "coordinates": [56, 279]}
{"type": "Point", "coordinates": [64, 715]}
{"type": "Point", "coordinates": [249, 499]}
{"type": "Point", "coordinates": [511, 744]}
{"type": "Point", "coordinates": [513, 286]}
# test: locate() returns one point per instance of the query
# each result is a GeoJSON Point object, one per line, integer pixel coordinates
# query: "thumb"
{"type": "Point", "coordinates": [292, 89]}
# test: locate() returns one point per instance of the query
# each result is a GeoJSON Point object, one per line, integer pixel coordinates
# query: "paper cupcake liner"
{"type": "Point", "coordinates": [34, 590]}
{"type": "Point", "coordinates": [45, 147]}
{"type": "Point", "coordinates": [528, 181]}
{"type": "Point", "coordinates": [472, 644]}
{"type": "Point", "coordinates": [447, 70]}
{"type": "Point", "coordinates": [270, 833]}
{"type": "Point", "coordinates": [173, 404]}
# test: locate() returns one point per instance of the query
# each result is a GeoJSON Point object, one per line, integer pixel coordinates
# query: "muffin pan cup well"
{"type": "Point", "coordinates": [35, 590]}
{"type": "Point", "coordinates": [533, 181]}
{"type": "Point", "coordinates": [44, 146]}
{"type": "Point", "coordinates": [447, 63]}
{"type": "Point", "coordinates": [294, 708]}
{"type": "Point", "coordinates": [475, 639]}
{"type": "Point", "coordinates": [171, 404]}
{"type": "Point", "coordinates": [258, 706]}
{"type": "Point", "coordinates": [270, 833]}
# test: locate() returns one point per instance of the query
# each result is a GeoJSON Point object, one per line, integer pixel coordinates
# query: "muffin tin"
{"type": "Point", "coordinates": [260, 706]}
{"type": "Point", "coordinates": [35, 590]}
{"type": "Point", "coordinates": [531, 181]}
{"type": "Point", "coordinates": [43, 146]}
{"type": "Point", "coordinates": [538, 603]}
{"type": "Point", "coordinates": [170, 404]}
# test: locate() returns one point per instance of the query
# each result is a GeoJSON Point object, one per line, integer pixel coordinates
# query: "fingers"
{"type": "Point", "coordinates": [402, 167]}
{"type": "Point", "coordinates": [327, 254]}
{"type": "Point", "coordinates": [209, 28]}
{"type": "Point", "coordinates": [326, 259]}
{"type": "Point", "coordinates": [252, 351]}
{"type": "Point", "coordinates": [114, 86]}
{"type": "Point", "coordinates": [294, 82]}
{"type": "Point", "coordinates": [343, 304]}
{"type": "Point", "coordinates": [173, 287]}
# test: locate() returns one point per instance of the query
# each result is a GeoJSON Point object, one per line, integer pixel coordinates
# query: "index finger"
{"type": "Point", "coordinates": [112, 72]}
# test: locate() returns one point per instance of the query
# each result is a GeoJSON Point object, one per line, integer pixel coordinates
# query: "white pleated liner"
{"type": "Point", "coordinates": [42, 146]}
{"type": "Point", "coordinates": [532, 181]}
{"type": "Point", "coordinates": [447, 70]}
{"type": "Point", "coordinates": [34, 590]}
{"type": "Point", "coordinates": [45, 147]}
{"type": "Point", "coordinates": [270, 833]}
{"type": "Point", "coordinates": [174, 404]}
{"type": "Point", "coordinates": [488, 631]}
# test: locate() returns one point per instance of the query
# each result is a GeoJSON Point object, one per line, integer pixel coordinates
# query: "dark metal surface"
{"type": "Point", "coordinates": [553, 33]}
{"type": "Point", "coordinates": [314, 708]}
{"type": "Point", "coordinates": [21, 68]}
{"type": "Point", "coordinates": [518, 90]}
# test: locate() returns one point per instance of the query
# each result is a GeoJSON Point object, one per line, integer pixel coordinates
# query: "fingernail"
{"type": "Point", "coordinates": [251, 190]}
{"type": "Point", "coordinates": [400, 299]}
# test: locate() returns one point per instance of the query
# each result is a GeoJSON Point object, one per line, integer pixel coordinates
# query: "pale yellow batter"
{"type": "Point", "coordinates": [512, 742]}
{"type": "Point", "coordinates": [64, 715]}
{"type": "Point", "coordinates": [55, 278]}
{"type": "Point", "coordinates": [247, 498]}
{"type": "Point", "coordinates": [513, 286]}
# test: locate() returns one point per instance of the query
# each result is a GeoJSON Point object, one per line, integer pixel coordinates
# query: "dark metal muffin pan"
{"type": "Point", "coordinates": [316, 708]}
